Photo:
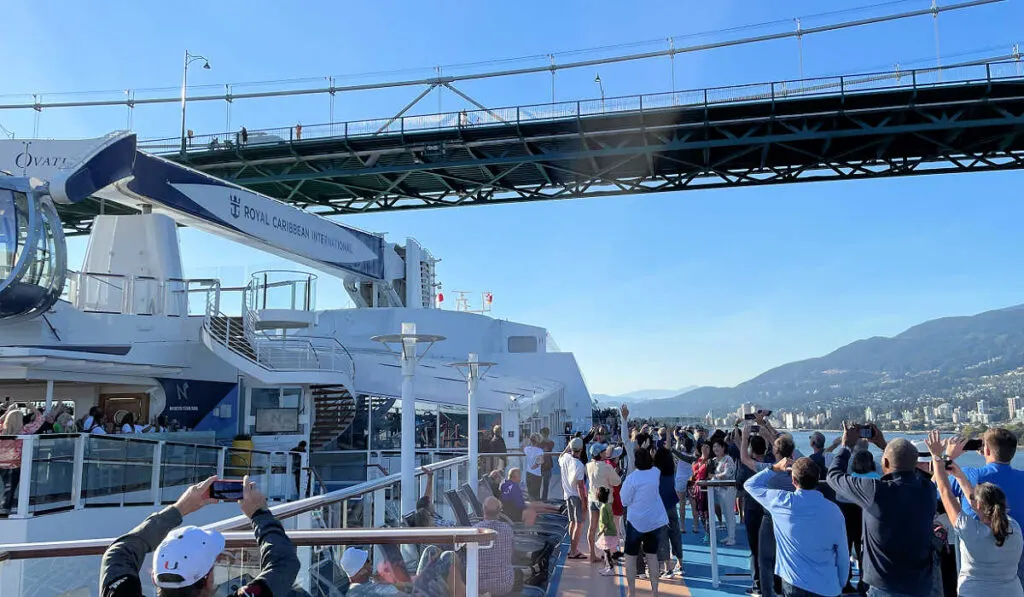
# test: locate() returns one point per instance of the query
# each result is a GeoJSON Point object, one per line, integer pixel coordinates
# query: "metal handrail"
{"type": "Point", "coordinates": [240, 540]}
{"type": "Point", "coordinates": [291, 509]}
{"type": "Point", "coordinates": [77, 284]}
{"type": "Point", "coordinates": [912, 79]}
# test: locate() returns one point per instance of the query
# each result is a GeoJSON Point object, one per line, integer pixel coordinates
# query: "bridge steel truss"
{"type": "Point", "coordinates": [893, 124]}
{"type": "Point", "coordinates": [946, 129]}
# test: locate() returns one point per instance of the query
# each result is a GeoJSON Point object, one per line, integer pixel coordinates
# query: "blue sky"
{"type": "Point", "coordinates": [666, 290]}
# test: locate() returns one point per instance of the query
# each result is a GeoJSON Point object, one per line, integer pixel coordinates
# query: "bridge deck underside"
{"type": "Point", "coordinates": [969, 127]}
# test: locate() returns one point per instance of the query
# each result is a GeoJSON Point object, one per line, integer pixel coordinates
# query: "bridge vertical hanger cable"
{"type": "Point", "coordinates": [935, 27]}
{"type": "Point", "coordinates": [130, 95]}
{"type": "Point", "coordinates": [1016, 56]}
{"type": "Point", "coordinates": [35, 117]}
{"type": "Point", "coordinates": [551, 57]}
{"type": "Point", "coordinates": [800, 47]}
{"type": "Point", "coordinates": [330, 83]}
{"type": "Point", "coordinates": [672, 65]}
{"type": "Point", "coordinates": [227, 107]}
{"type": "Point", "coordinates": [438, 86]}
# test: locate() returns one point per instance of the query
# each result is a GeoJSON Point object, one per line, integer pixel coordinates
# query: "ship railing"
{"type": "Point", "coordinates": [97, 292]}
{"type": "Point", "coordinates": [79, 561]}
{"type": "Point", "coordinates": [60, 472]}
{"type": "Point", "coordinates": [910, 80]}
{"type": "Point", "coordinates": [367, 515]}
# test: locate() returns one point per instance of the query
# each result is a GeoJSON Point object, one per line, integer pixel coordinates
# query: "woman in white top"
{"type": "Point", "coordinates": [725, 497]}
{"type": "Point", "coordinates": [990, 546]}
{"type": "Point", "coordinates": [128, 424]}
{"type": "Point", "coordinates": [646, 519]}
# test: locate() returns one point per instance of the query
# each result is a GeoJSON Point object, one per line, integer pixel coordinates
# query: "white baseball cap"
{"type": "Point", "coordinates": [186, 555]}
{"type": "Point", "coordinates": [353, 560]}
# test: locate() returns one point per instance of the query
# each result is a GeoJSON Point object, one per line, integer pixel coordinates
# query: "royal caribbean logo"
{"type": "Point", "coordinates": [236, 206]}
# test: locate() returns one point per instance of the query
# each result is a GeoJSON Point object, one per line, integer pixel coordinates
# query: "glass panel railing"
{"type": "Point", "coordinates": [53, 471]}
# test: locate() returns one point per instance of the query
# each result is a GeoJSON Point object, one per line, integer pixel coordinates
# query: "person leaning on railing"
{"type": "Point", "coordinates": [13, 423]}
{"type": "Point", "coordinates": [185, 557]}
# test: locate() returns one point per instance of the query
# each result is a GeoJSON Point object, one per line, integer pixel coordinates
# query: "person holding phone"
{"type": "Point", "coordinates": [998, 446]}
{"type": "Point", "coordinates": [184, 558]}
{"type": "Point", "coordinates": [990, 543]}
{"type": "Point", "coordinates": [898, 512]}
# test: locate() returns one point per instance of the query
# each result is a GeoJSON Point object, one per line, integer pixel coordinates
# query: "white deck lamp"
{"type": "Point", "coordinates": [471, 370]}
{"type": "Point", "coordinates": [409, 357]}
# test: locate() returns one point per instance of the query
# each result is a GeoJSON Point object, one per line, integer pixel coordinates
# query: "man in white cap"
{"type": "Point", "coordinates": [575, 490]}
{"type": "Point", "coordinates": [184, 557]}
{"type": "Point", "coordinates": [356, 564]}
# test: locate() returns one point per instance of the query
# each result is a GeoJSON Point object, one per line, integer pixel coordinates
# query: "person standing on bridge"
{"type": "Point", "coordinates": [298, 131]}
{"type": "Point", "coordinates": [243, 136]}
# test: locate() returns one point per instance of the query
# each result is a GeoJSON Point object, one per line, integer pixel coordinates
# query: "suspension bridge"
{"type": "Point", "coordinates": [963, 117]}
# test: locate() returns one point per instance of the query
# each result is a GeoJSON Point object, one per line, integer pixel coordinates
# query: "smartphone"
{"type": "Point", "coordinates": [867, 432]}
{"type": "Point", "coordinates": [228, 491]}
{"type": "Point", "coordinates": [755, 429]}
{"type": "Point", "coordinates": [973, 445]}
{"type": "Point", "coordinates": [750, 417]}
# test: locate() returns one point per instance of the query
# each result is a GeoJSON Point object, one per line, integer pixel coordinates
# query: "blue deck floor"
{"type": "Point", "coordinates": [575, 577]}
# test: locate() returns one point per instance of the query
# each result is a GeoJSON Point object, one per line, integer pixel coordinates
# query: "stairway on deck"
{"type": "Point", "coordinates": [230, 331]}
{"type": "Point", "coordinates": [334, 410]}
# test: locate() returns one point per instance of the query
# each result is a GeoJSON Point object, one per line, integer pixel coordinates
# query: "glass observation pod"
{"type": "Point", "coordinates": [33, 253]}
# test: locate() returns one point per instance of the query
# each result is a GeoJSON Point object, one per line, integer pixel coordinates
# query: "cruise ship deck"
{"type": "Point", "coordinates": [576, 578]}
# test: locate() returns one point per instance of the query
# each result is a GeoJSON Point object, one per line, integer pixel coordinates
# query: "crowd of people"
{"type": "Point", "coordinates": [810, 520]}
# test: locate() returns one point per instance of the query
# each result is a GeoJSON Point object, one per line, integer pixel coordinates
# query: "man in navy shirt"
{"type": "Point", "coordinates": [898, 510]}
{"type": "Point", "coordinates": [999, 447]}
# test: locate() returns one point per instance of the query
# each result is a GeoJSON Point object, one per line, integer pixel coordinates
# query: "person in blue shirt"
{"type": "Point", "coordinates": [999, 447]}
{"type": "Point", "coordinates": [811, 553]}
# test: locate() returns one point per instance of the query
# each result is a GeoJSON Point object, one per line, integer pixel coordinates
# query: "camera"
{"type": "Point", "coordinates": [867, 432]}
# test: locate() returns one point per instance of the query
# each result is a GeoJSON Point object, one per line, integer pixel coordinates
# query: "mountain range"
{"type": "Point", "coordinates": [931, 358]}
{"type": "Point", "coordinates": [639, 396]}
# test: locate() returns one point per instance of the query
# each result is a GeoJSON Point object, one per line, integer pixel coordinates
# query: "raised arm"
{"type": "Point", "coordinates": [119, 569]}
{"type": "Point", "coordinates": [279, 563]}
{"type": "Point", "coordinates": [757, 487]}
{"type": "Point", "coordinates": [745, 457]}
{"type": "Point", "coordinates": [857, 490]}
{"type": "Point", "coordinates": [941, 477]}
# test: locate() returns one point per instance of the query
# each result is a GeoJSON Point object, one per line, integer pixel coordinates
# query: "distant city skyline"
{"type": "Point", "coordinates": [654, 291]}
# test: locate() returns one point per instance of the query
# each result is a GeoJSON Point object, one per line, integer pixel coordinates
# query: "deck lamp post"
{"type": "Point", "coordinates": [600, 85]}
{"type": "Point", "coordinates": [189, 59]}
{"type": "Point", "coordinates": [471, 370]}
{"type": "Point", "coordinates": [409, 356]}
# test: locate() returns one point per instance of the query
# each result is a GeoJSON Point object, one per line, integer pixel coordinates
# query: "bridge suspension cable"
{"type": "Point", "coordinates": [672, 50]}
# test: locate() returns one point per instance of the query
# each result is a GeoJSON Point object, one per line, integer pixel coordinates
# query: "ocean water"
{"type": "Point", "coordinates": [803, 443]}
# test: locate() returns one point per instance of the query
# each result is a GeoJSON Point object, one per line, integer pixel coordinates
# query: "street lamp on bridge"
{"type": "Point", "coordinates": [189, 59]}
{"type": "Point", "coordinates": [597, 79]}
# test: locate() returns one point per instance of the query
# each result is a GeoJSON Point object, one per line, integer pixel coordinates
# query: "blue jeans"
{"type": "Point", "coordinates": [790, 591]}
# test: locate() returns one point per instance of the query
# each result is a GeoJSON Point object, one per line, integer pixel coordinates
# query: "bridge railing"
{"type": "Point", "coordinates": [957, 74]}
